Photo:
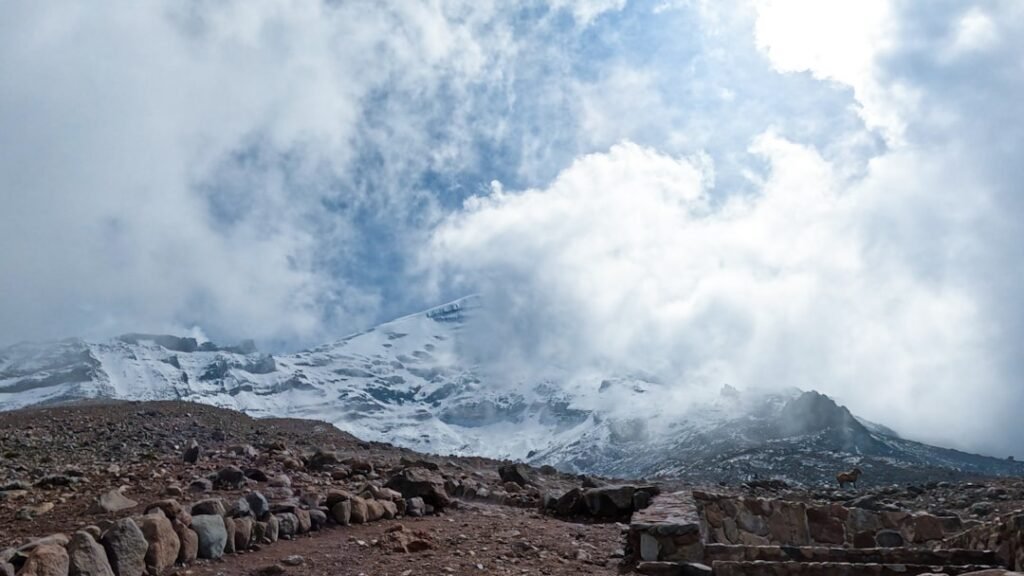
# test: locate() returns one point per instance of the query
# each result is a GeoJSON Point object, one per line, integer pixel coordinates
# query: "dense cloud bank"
{"type": "Point", "coordinates": [811, 194]}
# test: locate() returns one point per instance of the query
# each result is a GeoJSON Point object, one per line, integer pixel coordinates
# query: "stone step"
{"type": "Point", "coordinates": [951, 557]}
{"type": "Point", "coordinates": [763, 568]}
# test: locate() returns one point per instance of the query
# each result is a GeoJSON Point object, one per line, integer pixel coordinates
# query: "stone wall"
{"type": "Point", "coordinates": [760, 521]}
{"type": "Point", "coordinates": [170, 533]}
{"type": "Point", "coordinates": [1004, 535]}
{"type": "Point", "coordinates": [666, 531]}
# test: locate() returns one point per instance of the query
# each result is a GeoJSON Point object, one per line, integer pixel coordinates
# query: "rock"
{"type": "Point", "coordinates": [824, 527]}
{"type": "Point", "coordinates": [359, 513]}
{"type": "Point", "coordinates": [58, 539]}
{"type": "Point", "coordinates": [571, 503]}
{"type": "Point", "coordinates": [323, 459]}
{"type": "Point", "coordinates": [398, 539]}
{"type": "Point", "coordinates": [229, 529]}
{"type": "Point", "coordinates": [126, 548]}
{"type": "Point", "coordinates": [342, 512]}
{"type": "Point", "coordinates": [514, 473]}
{"type": "Point", "coordinates": [374, 510]}
{"type": "Point", "coordinates": [288, 524]}
{"type": "Point", "coordinates": [230, 477]}
{"type": "Point", "coordinates": [294, 560]}
{"type": "Point", "coordinates": [46, 560]}
{"type": "Point", "coordinates": [926, 527]}
{"type": "Point", "coordinates": [257, 504]}
{"type": "Point", "coordinates": [243, 533]}
{"type": "Point", "coordinates": [30, 512]}
{"type": "Point", "coordinates": [889, 539]}
{"type": "Point", "coordinates": [244, 450]}
{"type": "Point", "coordinates": [86, 557]}
{"type": "Point", "coordinates": [6, 569]}
{"type": "Point", "coordinates": [210, 506]}
{"type": "Point", "coordinates": [305, 523]}
{"type": "Point", "coordinates": [610, 501]}
{"type": "Point", "coordinates": [163, 542]}
{"type": "Point", "coordinates": [982, 508]}
{"type": "Point", "coordinates": [281, 481]}
{"type": "Point", "coordinates": [273, 529]}
{"type": "Point", "coordinates": [200, 485]}
{"type": "Point", "coordinates": [390, 509]}
{"type": "Point", "coordinates": [412, 482]}
{"type": "Point", "coordinates": [238, 508]}
{"type": "Point", "coordinates": [259, 533]}
{"type": "Point", "coordinates": [172, 510]}
{"type": "Point", "coordinates": [191, 455]}
{"type": "Point", "coordinates": [212, 535]}
{"type": "Point", "coordinates": [588, 481]}
{"type": "Point", "coordinates": [317, 519]}
{"type": "Point", "coordinates": [256, 474]}
{"type": "Point", "coordinates": [415, 507]}
{"type": "Point", "coordinates": [188, 550]}
{"type": "Point", "coordinates": [335, 496]}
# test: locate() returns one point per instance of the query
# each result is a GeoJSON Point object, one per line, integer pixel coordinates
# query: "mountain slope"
{"type": "Point", "coordinates": [414, 382]}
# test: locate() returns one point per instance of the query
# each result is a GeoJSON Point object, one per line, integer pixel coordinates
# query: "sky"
{"type": "Point", "coordinates": [765, 193]}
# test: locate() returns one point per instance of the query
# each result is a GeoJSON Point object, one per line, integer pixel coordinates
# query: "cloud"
{"type": "Point", "coordinates": [765, 193]}
{"type": "Point", "coordinates": [235, 165]}
{"type": "Point", "coordinates": [885, 284]}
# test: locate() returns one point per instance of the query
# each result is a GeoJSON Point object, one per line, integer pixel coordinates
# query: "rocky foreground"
{"type": "Point", "coordinates": [171, 487]}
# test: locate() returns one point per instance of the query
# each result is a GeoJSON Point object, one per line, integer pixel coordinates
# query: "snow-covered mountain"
{"type": "Point", "coordinates": [415, 382]}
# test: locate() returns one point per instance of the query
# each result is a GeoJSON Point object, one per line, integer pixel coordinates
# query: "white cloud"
{"type": "Point", "coordinates": [838, 41]}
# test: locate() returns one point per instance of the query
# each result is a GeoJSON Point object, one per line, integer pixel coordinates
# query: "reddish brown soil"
{"type": "Point", "coordinates": [483, 539]}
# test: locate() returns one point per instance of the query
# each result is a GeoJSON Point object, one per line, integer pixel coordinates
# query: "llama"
{"type": "Point", "coordinates": [848, 477]}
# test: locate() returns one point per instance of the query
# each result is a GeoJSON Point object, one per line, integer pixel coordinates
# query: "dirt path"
{"type": "Point", "coordinates": [479, 539]}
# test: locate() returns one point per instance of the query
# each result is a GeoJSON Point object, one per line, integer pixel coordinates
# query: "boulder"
{"type": "Point", "coordinates": [825, 528]}
{"type": "Point", "coordinates": [610, 501]}
{"type": "Point", "coordinates": [164, 545]}
{"type": "Point", "coordinates": [317, 519]}
{"type": "Point", "coordinates": [212, 534]}
{"type": "Point", "coordinates": [335, 496]}
{"type": "Point", "coordinates": [210, 506]}
{"type": "Point", "coordinates": [86, 557]}
{"type": "Point", "coordinates": [342, 512]}
{"type": "Point", "coordinates": [174, 511]}
{"type": "Point", "coordinates": [414, 507]}
{"type": "Point", "coordinates": [571, 503]}
{"type": "Point", "coordinates": [46, 560]}
{"type": "Point", "coordinates": [413, 482]}
{"type": "Point", "coordinates": [925, 527]}
{"type": "Point", "coordinates": [287, 524]}
{"type": "Point", "coordinates": [200, 485]}
{"type": "Point", "coordinates": [256, 474]}
{"type": "Point", "coordinates": [126, 548]}
{"type": "Point", "coordinates": [257, 504]}
{"type": "Point", "coordinates": [374, 510]}
{"type": "Point", "coordinates": [191, 455]}
{"type": "Point", "coordinates": [359, 512]}
{"type": "Point", "coordinates": [243, 533]}
{"type": "Point", "coordinates": [188, 550]}
{"type": "Point", "coordinates": [229, 529]}
{"type": "Point", "coordinates": [112, 501]}
{"type": "Point", "coordinates": [230, 477]}
{"type": "Point", "coordinates": [515, 473]}
{"type": "Point", "coordinates": [305, 523]}
{"type": "Point", "coordinates": [259, 533]}
{"type": "Point", "coordinates": [323, 459]}
{"type": "Point", "coordinates": [390, 509]}
{"type": "Point", "coordinates": [273, 529]}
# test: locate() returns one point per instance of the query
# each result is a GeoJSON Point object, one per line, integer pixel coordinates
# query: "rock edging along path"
{"type": "Point", "coordinates": [169, 534]}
